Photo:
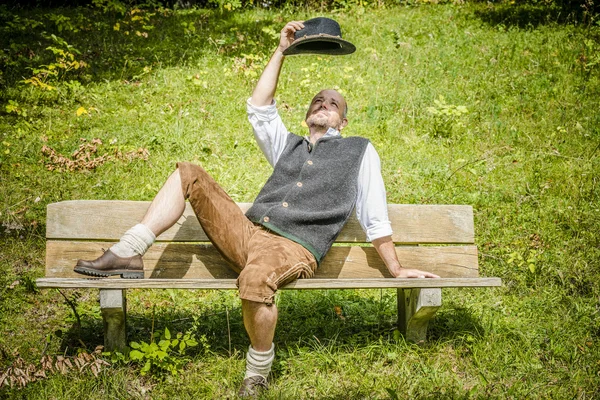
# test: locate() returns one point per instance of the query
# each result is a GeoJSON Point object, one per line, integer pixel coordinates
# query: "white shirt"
{"type": "Point", "coordinates": [371, 205]}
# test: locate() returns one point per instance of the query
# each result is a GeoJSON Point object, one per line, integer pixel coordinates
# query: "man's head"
{"type": "Point", "coordinates": [327, 109]}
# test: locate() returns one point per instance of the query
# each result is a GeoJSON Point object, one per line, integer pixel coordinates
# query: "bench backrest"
{"type": "Point", "coordinates": [436, 238]}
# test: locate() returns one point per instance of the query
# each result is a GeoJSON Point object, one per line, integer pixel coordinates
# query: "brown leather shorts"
{"type": "Point", "coordinates": [264, 260]}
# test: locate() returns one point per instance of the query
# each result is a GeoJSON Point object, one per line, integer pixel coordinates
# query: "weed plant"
{"type": "Point", "coordinates": [463, 109]}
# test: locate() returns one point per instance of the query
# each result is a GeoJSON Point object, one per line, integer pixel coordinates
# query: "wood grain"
{"type": "Point", "coordinates": [202, 261]}
{"type": "Point", "coordinates": [298, 284]}
{"type": "Point", "coordinates": [109, 219]}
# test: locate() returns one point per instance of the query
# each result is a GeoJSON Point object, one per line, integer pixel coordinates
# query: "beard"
{"type": "Point", "coordinates": [318, 120]}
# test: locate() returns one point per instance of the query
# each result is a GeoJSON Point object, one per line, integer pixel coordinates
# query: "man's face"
{"type": "Point", "coordinates": [326, 110]}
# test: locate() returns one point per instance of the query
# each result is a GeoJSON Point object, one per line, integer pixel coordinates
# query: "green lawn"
{"type": "Point", "coordinates": [464, 106]}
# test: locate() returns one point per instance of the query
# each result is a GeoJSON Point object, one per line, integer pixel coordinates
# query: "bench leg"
{"type": "Point", "coordinates": [113, 305]}
{"type": "Point", "coordinates": [415, 308]}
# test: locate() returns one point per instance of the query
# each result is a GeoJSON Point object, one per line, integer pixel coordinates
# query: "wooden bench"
{"type": "Point", "coordinates": [436, 238]}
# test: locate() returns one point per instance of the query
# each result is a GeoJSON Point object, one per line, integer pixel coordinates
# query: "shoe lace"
{"type": "Point", "coordinates": [253, 385]}
{"type": "Point", "coordinates": [258, 381]}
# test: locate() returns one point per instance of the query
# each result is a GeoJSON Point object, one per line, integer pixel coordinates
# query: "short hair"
{"type": "Point", "coordinates": [345, 109]}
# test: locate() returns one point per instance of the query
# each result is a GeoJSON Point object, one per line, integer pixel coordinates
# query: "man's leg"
{"type": "Point", "coordinates": [231, 233]}
{"type": "Point", "coordinates": [167, 207]}
{"type": "Point", "coordinates": [125, 257]}
{"type": "Point", "coordinates": [164, 211]}
{"type": "Point", "coordinates": [228, 229]}
{"type": "Point", "coordinates": [260, 320]}
{"type": "Point", "coordinates": [272, 262]}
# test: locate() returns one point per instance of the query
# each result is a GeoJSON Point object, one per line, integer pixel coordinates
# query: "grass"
{"type": "Point", "coordinates": [525, 155]}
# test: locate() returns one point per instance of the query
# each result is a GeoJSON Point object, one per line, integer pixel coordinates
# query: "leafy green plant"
{"type": "Point", "coordinates": [63, 23]}
{"type": "Point", "coordinates": [110, 6]}
{"type": "Point", "coordinates": [15, 108]}
{"type": "Point", "coordinates": [228, 5]}
{"type": "Point", "coordinates": [16, 23]}
{"type": "Point", "coordinates": [163, 354]}
{"type": "Point", "coordinates": [525, 261]}
{"type": "Point", "coordinates": [136, 21]}
{"type": "Point", "coordinates": [447, 118]}
{"type": "Point", "coordinates": [65, 62]}
{"type": "Point", "coordinates": [189, 28]}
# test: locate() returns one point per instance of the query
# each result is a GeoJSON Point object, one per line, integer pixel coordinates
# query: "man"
{"type": "Point", "coordinates": [316, 183]}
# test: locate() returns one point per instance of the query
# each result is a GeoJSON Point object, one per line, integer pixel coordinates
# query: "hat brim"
{"type": "Point", "coordinates": [320, 44]}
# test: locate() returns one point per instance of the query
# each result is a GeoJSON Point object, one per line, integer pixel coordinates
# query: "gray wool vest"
{"type": "Point", "coordinates": [311, 193]}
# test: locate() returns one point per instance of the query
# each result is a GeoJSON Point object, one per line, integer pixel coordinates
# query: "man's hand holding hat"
{"type": "Point", "coordinates": [287, 34]}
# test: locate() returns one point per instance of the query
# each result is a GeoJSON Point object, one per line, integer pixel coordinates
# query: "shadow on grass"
{"type": "Point", "coordinates": [455, 324]}
{"type": "Point", "coordinates": [124, 47]}
{"type": "Point", "coordinates": [528, 15]}
{"type": "Point", "coordinates": [344, 318]}
{"type": "Point", "coordinates": [324, 316]}
{"type": "Point", "coordinates": [88, 336]}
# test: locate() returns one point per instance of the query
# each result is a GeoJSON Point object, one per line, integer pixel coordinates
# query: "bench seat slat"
{"type": "Point", "coordinates": [374, 283]}
{"type": "Point", "coordinates": [109, 219]}
{"type": "Point", "coordinates": [202, 261]}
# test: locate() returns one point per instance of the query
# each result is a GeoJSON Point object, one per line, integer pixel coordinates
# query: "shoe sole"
{"type": "Point", "coordinates": [124, 273]}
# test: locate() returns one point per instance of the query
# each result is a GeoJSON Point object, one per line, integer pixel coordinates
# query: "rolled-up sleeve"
{"type": "Point", "coordinates": [371, 203]}
{"type": "Point", "coordinates": [269, 131]}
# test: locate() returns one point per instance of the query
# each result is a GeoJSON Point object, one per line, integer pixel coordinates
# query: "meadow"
{"type": "Point", "coordinates": [490, 105]}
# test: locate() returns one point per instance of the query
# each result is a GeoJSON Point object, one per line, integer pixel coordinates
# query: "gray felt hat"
{"type": "Point", "coordinates": [320, 36]}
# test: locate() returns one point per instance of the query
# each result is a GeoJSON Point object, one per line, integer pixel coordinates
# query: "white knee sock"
{"type": "Point", "coordinates": [135, 241]}
{"type": "Point", "coordinates": [259, 362]}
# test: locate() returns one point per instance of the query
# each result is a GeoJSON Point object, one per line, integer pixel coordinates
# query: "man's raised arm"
{"type": "Point", "coordinates": [267, 84]}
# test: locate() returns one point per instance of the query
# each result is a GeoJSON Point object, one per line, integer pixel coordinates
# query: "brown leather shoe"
{"type": "Point", "coordinates": [110, 264]}
{"type": "Point", "coordinates": [252, 386]}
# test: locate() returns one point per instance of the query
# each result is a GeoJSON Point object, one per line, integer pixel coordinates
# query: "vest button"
{"type": "Point", "coordinates": [266, 219]}
{"type": "Point", "coordinates": [309, 162]}
{"type": "Point", "coordinates": [299, 184]}
{"type": "Point", "coordinates": [285, 204]}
